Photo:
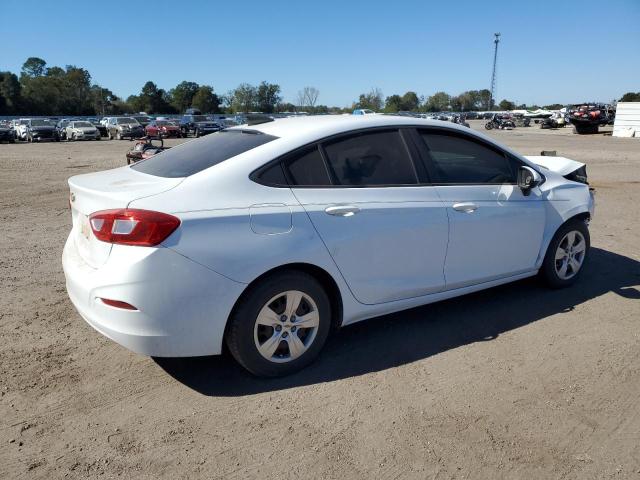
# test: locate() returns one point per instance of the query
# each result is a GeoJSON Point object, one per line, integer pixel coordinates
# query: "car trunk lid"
{"type": "Point", "coordinates": [106, 190]}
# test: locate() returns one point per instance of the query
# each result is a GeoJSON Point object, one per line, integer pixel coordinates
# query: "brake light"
{"type": "Point", "coordinates": [132, 226]}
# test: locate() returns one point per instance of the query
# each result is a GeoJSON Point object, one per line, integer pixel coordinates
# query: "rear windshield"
{"type": "Point", "coordinates": [197, 155]}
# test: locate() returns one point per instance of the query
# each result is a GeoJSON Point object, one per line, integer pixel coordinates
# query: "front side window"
{"type": "Point", "coordinates": [459, 160]}
{"type": "Point", "coordinates": [370, 159]}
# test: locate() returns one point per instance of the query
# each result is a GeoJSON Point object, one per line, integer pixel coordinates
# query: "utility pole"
{"type": "Point", "coordinates": [492, 98]}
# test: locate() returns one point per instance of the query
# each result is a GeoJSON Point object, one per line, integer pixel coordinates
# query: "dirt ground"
{"type": "Point", "coordinates": [515, 382]}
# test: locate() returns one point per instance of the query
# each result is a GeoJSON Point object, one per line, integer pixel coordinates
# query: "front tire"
{"type": "Point", "coordinates": [280, 325]}
{"type": "Point", "coordinates": [566, 254]}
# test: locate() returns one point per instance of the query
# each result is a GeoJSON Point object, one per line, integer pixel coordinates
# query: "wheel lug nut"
{"type": "Point", "coordinates": [278, 328]}
{"type": "Point", "coordinates": [285, 335]}
{"type": "Point", "coordinates": [283, 318]}
{"type": "Point", "coordinates": [293, 318]}
{"type": "Point", "coordinates": [293, 329]}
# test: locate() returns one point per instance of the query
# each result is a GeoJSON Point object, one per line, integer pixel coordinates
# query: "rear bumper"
{"type": "Point", "coordinates": [182, 306]}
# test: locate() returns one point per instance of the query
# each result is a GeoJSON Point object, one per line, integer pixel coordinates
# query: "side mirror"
{"type": "Point", "coordinates": [528, 178]}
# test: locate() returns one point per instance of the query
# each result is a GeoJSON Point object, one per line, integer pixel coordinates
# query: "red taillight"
{"type": "Point", "coordinates": [132, 226]}
{"type": "Point", "coordinates": [118, 304]}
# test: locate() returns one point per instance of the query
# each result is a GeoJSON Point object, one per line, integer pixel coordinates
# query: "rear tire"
{"type": "Point", "coordinates": [275, 298]}
{"type": "Point", "coordinates": [566, 255]}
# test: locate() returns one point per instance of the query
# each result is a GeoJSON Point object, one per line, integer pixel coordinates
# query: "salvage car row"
{"type": "Point", "coordinates": [116, 127]}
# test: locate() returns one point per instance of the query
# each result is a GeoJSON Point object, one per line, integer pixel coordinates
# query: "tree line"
{"type": "Point", "coordinates": [53, 90]}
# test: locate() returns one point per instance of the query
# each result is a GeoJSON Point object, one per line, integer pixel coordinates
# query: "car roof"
{"type": "Point", "coordinates": [326, 125]}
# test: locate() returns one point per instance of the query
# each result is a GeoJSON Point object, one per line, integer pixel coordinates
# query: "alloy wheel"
{"type": "Point", "coordinates": [570, 255]}
{"type": "Point", "coordinates": [286, 326]}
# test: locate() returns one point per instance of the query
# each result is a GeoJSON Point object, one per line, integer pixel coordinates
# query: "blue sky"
{"type": "Point", "coordinates": [551, 51]}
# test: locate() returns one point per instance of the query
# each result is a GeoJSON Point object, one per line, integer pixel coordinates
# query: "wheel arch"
{"type": "Point", "coordinates": [320, 274]}
{"type": "Point", "coordinates": [584, 216]}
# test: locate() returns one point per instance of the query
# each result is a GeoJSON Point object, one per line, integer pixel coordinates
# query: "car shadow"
{"type": "Point", "coordinates": [404, 337]}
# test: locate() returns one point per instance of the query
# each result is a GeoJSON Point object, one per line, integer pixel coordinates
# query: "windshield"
{"type": "Point", "coordinates": [127, 120]}
{"type": "Point", "coordinates": [200, 118]}
{"type": "Point", "coordinates": [162, 122]}
{"type": "Point", "coordinates": [142, 119]}
{"type": "Point", "coordinates": [195, 156]}
{"type": "Point", "coordinates": [82, 124]}
{"type": "Point", "coordinates": [40, 123]}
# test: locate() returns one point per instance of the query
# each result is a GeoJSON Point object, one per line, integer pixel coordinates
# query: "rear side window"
{"type": "Point", "coordinates": [458, 160]}
{"type": "Point", "coordinates": [272, 176]}
{"type": "Point", "coordinates": [197, 155]}
{"type": "Point", "coordinates": [370, 159]}
{"type": "Point", "coordinates": [307, 169]}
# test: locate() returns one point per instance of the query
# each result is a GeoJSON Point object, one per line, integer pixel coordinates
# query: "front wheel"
{"type": "Point", "coordinates": [566, 254]}
{"type": "Point", "coordinates": [280, 325]}
{"type": "Point", "coordinates": [488, 125]}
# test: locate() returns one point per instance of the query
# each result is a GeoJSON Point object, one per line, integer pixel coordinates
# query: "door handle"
{"type": "Point", "coordinates": [466, 207]}
{"type": "Point", "coordinates": [342, 210]}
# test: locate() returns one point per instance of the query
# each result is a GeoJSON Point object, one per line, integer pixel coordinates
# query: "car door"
{"type": "Point", "coordinates": [495, 230]}
{"type": "Point", "coordinates": [386, 232]}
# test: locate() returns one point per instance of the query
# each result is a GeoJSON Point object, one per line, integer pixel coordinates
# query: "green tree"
{"type": "Point", "coordinates": [10, 91]}
{"type": "Point", "coordinates": [372, 100]}
{"type": "Point", "coordinates": [268, 96]}
{"type": "Point", "coordinates": [506, 105]}
{"type": "Point", "coordinates": [151, 100]}
{"type": "Point", "coordinates": [630, 97]}
{"type": "Point", "coordinates": [393, 103]}
{"type": "Point", "coordinates": [182, 95]}
{"type": "Point", "coordinates": [33, 67]}
{"type": "Point", "coordinates": [438, 102]}
{"type": "Point", "coordinates": [205, 100]}
{"type": "Point", "coordinates": [410, 102]}
{"type": "Point", "coordinates": [243, 99]}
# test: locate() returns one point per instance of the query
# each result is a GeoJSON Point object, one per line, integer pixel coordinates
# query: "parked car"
{"type": "Point", "coordinates": [265, 237]}
{"type": "Point", "coordinates": [101, 128]}
{"type": "Point", "coordinates": [124, 127]}
{"type": "Point", "coordinates": [197, 125]}
{"type": "Point", "coordinates": [20, 126]}
{"type": "Point", "coordinates": [37, 129]}
{"type": "Point", "coordinates": [7, 134]}
{"type": "Point", "coordinates": [143, 120]}
{"type": "Point", "coordinates": [81, 130]}
{"type": "Point", "coordinates": [162, 128]}
{"type": "Point", "coordinates": [363, 111]}
{"type": "Point", "coordinates": [61, 128]}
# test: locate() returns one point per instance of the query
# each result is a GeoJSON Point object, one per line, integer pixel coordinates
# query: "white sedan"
{"type": "Point", "coordinates": [268, 236]}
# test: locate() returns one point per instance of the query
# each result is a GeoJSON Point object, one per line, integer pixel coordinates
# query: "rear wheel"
{"type": "Point", "coordinates": [566, 254]}
{"type": "Point", "coordinates": [280, 325]}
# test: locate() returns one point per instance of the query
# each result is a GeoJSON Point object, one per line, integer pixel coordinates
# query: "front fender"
{"type": "Point", "coordinates": [562, 203]}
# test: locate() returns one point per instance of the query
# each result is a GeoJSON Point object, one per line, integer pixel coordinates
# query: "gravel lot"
{"type": "Point", "coordinates": [515, 382]}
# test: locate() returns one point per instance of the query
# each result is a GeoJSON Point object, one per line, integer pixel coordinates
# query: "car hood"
{"type": "Point", "coordinates": [206, 124]}
{"type": "Point", "coordinates": [560, 165]}
{"type": "Point", "coordinates": [42, 129]}
{"type": "Point", "coordinates": [130, 125]}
